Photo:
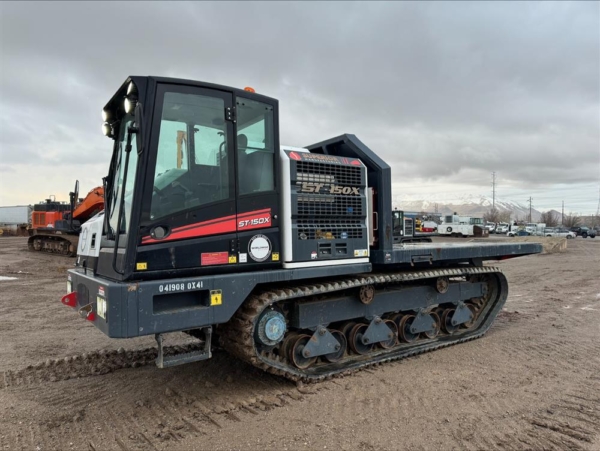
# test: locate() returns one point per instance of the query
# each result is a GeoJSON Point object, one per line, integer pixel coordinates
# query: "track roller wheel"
{"type": "Point", "coordinates": [470, 323]}
{"type": "Point", "coordinates": [392, 341]}
{"type": "Point", "coordinates": [356, 343]}
{"type": "Point", "coordinates": [339, 354]}
{"type": "Point", "coordinates": [285, 350]}
{"type": "Point", "coordinates": [447, 325]}
{"type": "Point", "coordinates": [436, 329]}
{"type": "Point", "coordinates": [404, 332]}
{"type": "Point", "coordinates": [298, 357]}
{"type": "Point", "coordinates": [346, 329]}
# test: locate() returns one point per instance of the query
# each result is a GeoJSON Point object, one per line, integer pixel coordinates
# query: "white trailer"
{"type": "Point", "coordinates": [455, 225]}
{"type": "Point", "coordinates": [19, 214]}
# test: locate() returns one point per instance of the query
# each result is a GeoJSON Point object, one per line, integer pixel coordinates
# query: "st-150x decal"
{"type": "Point", "coordinates": [311, 187]}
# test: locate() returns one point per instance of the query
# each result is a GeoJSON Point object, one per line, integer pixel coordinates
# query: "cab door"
{"type": "Point", "coordinates": [189, 213]}
{"type": "Point", "coordinates": [257, 181]}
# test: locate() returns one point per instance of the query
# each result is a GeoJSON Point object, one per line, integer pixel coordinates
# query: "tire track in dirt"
{"type": "Point", "coordinates": [148, 407]}
{"type": "Point", "coordinates": [571, 422]}
{"type": "Point", "coordinates": [85, 365]}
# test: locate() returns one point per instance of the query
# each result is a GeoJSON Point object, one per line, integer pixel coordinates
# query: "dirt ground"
{"type": "Point", "coordinates": [533, 382]}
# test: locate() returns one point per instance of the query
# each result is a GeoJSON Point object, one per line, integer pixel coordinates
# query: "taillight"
{"type": "Point", "coordinates": [70, 299]}
{"type": "Point", "coordinates": [91, 316]}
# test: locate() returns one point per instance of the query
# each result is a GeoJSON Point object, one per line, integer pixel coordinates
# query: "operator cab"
{"type": "Point", "coordinates": [191, 182]}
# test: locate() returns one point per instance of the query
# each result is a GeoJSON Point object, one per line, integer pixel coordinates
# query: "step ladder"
{"type": "Point", "coordinates": [166, 361]}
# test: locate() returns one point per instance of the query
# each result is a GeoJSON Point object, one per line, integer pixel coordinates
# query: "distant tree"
{"type": "Point", "coordinates": [495, 215]}
{"type": "Point", "coordinates": [492, 215]}
{"type": "Point", "coordinates": [549, 218]}
{"type": "Point", "coordinates": [571, 220]}
{"type": "Point", "coordinates": [504, 216]}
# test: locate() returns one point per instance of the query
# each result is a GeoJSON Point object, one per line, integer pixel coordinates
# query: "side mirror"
{"type": "Point", "coordinates": [139, 120]}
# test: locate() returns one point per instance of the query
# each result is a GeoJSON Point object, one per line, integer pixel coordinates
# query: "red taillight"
{"type": "Point", "coordinates": [70, 299]}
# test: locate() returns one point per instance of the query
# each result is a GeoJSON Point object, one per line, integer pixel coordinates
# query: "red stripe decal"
{"type": "Point", "coordinates": [244, 221]}
{"type": "Point", "coordinates": [203, 223]}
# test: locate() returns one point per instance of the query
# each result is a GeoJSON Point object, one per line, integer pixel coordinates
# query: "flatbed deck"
{"type": "Point", "coordinates": [470, 252]}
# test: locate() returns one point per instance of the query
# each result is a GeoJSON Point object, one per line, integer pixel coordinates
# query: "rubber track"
{"type": "Point", "coordinates": [237, 336]}
{"type": "Point", "coordinates": [74, 240]}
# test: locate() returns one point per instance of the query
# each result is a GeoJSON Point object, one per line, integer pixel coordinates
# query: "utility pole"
{"type": "Point", "coordinates": [562, 214]}
{"type": "Point", "coordinates": [597, 217]}
{"type": "Point", "coordinates": [530, 205]}
{"type": "Point", "coordinates": [493, 190]}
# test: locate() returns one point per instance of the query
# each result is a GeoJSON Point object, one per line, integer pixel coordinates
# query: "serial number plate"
{"type": "Point", "coordinates": [183, 286]}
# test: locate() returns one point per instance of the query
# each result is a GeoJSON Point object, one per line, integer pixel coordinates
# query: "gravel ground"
{"type": "Point", "coordinates": [533, 382]}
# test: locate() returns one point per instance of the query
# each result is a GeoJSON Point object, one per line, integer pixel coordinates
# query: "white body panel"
{"type": "Point", "coordinates": [90, 236]}
{"type": "Point", "coordinates": [286, 206]}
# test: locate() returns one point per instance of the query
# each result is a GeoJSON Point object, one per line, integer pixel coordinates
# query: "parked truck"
{"type": "Point", "coordinates": [285, 255]}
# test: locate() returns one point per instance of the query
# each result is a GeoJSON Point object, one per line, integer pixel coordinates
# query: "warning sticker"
{"type": "Point", "coordinates": [214, 258]}
{"type": "Point", "coordinates": [216, 297]}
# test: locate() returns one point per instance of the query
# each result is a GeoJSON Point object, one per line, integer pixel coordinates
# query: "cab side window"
{"type": "Point", "coordinates": [191, 162]}
{"type": "Point", "coordinates": [255, 144]}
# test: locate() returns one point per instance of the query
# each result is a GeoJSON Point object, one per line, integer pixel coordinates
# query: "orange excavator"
{"type": "Point", "coordinates": [56, 225]}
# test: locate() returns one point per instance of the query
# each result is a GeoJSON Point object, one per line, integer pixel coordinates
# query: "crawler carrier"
{"type": "Point", "coordinates": [283, 256]}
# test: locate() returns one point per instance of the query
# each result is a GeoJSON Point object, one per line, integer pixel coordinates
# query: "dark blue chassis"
{"type": "Point", "coordinates": [131, 305]}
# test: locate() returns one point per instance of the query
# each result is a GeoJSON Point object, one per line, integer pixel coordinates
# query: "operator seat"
{"type": "Point", "coordinates": [255, 168]}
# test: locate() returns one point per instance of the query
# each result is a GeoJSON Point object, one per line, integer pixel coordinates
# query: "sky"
{"type": "Point", "coordinates": [445, 92]}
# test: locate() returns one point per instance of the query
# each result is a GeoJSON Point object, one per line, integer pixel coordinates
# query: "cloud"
{"type": "Point", "coordinates": [445, 91]}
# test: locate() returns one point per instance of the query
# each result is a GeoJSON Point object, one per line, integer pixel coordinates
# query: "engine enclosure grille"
{"type": "Point", "coordinates": [328, 207]}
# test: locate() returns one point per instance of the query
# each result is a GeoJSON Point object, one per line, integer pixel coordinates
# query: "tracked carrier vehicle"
{"type": "Point", "coordinates": [284, 257]}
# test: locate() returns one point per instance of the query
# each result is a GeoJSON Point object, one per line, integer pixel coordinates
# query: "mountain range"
{"type": "Point", "coordinates": [469, 205]}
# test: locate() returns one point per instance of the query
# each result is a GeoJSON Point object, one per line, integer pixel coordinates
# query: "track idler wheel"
{"type": "Point", "coordinates": [356, 340]}
{"type": "Point", "coordinates": [404, 332]}
{"type": "Point", "coordinates": [447, 325]}
{"type": "Point", "coordinates": [299, 358]}
{"type": "Point", "coordinates": [339, 354]}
